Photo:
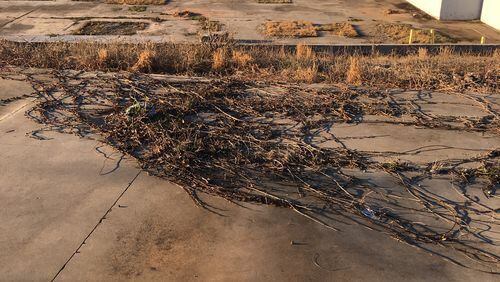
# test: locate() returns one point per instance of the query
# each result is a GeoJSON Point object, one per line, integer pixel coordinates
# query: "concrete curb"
{"type": "Point", "coordinates": [385, 49]}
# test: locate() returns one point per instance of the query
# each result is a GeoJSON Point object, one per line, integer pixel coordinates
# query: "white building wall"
{"type": "Point", "coordinates": [461, 9]}
{"type": "Point", "coordinates": [491, 13]}
{"type": "Point", "coordinates": [451, 9]}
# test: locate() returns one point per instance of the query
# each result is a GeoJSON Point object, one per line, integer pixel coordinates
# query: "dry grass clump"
{"type": "Point", "coordinates": [220, 59]}
{"type": "Point", "coordinates": [242, 59]}
{"type": "Point", "coordinates": [137, 2]}
{"type": "Point", "coordinates": [354, 73]}
{"type": "Point", "coordinates": [307, 74]}
{"type": "Point", "coordinates": [102, 57]}
{"type": "Point", "coordinates": [304, 52]}
{"type": "Point", "coordinates": [423, 53]}
{"type": "Point", "coordinates": [340, 29]}
{"type": "Point", "coordinates": [400, 33]}
{"type": "Point", "coordinates": [145, 62]}
{"type": "Point", "coordinates": [290, 29]}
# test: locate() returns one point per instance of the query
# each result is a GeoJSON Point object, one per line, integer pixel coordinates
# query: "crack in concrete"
{"type": "Point", "coordinates": [16, 18]}
{"type": "Point", "coordinates": [97, 225]}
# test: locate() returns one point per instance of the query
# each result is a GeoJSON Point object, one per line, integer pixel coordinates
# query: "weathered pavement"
{"type": "Point", "coordinates": [75, 210]}
{"type": "Point", "coordinates": [57, 20]}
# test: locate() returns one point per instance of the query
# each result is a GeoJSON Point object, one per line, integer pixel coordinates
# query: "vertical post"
{"type": "Point", "coordinates": [433, 36]}
{"type": "Point", "coordinates": [410, 40]}
{"type": "Point", "coordinates": [483, 40]}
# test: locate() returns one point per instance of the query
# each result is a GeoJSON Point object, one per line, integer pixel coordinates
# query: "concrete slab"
{"type": "Point", "coordinates": [11, 94]}
{"type": "Point", "coordinates": [241, 19]}
{"type": "Point", "coordinates": [53, 192]}
{"type": "Point", "coordinates": [75, 210]}
{"type": "Point", "coordinates": [159, 235]}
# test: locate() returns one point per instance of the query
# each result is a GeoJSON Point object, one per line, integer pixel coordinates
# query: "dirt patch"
{"type": "Point", "coordinates": [138, 9]}
{"type": "Point", "coordinates": [205, 23]}
{"type": "Point", "coordinates": [274, 1]}
{"type": "Point", "coordinates": [400, 33]}
{"type": "Point", "coordinates": [111, 28]}
{"type": "Point", "coordinates": [137, 2]}
{"type": "Point", "coordinates": [155, 246]}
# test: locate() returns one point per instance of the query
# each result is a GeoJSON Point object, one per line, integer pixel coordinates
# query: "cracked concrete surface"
{"type": "Point", "coordinates": [57, 20]}
{"type": "Point", "coordinates": [56, 195]}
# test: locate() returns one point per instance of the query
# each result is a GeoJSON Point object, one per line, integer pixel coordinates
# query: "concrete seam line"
{"type": "Point", "coordinates": [97, 225]}
{"type": "Point", "coordinates": [16, 18]}
{"type": "Point", "coordinates": [13, 112]}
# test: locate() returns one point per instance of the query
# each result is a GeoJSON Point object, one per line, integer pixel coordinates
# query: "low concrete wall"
{"type": "Point", "coordinates": [491, 13]}
{"type": "Point", "coordinates": [451, 9]}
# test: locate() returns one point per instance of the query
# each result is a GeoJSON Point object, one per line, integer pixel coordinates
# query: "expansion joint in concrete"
{"type": "Point", "coordinates": [96, 225]}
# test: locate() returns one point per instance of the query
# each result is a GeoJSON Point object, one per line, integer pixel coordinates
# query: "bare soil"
{"type": "Point", "coordinates": [111, 28]}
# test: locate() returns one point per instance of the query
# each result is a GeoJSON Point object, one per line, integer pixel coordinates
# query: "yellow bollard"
{"type": "Point", "coordinates": [433, 36]}
{"type": "Point", "coordinates": [410, 41]}
{"type": "Point", "coordinates": [483, 40]}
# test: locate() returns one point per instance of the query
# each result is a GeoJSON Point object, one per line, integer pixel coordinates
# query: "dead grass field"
{"type": "Point", "coordinates": [445, 71]}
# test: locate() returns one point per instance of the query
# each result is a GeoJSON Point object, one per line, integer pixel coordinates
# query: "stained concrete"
{"type": "Point", "coordinates": [60, 194]}
{"type": "Point", "coordinates": [42, 20]}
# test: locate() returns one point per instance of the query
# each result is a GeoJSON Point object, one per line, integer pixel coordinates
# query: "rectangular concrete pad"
{"type": "Point", "coordinates": [54, 193]}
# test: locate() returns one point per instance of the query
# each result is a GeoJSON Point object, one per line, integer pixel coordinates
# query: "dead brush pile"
{"type": "Point", "coordinates": [238, 140]}
{"type": "Point", "coordinates": [445, 71]}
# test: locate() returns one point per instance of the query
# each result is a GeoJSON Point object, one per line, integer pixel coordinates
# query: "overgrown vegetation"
{"type": "Point", "coordinates": [306, 29]}
{"type": "Point", "coordinates": [242, 134]}
{"type": "Point", "coordinates": [250, 141]}
{"type": "Point", "coordinates": [445, 71]}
